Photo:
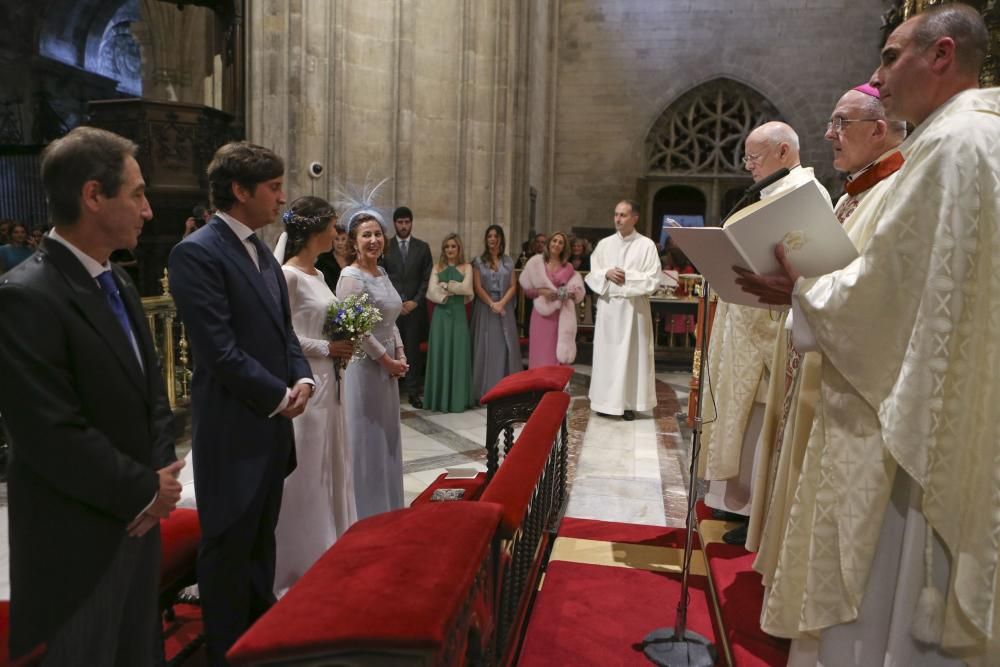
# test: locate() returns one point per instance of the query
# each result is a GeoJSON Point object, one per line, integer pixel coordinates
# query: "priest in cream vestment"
{"type": "Point", "coordinates": [624, 272]}
{"type": "Point", "coordinates": [740, 348]}
{"type": "Point", "coordinates": [864, 146]}
{"type": "Point", "coordinates": [894, 530]}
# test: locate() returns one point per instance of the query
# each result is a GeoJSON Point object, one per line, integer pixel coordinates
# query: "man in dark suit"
{"type": "Point", "coordinates": [408, 263]}
{"type": "Point", "coordinates": [92, 466]}
{"type": "Point", "coordinates": [250, 380]}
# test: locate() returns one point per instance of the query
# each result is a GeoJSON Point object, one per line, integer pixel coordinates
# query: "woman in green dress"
{"type": "Point", "coordinates": [448, 381]}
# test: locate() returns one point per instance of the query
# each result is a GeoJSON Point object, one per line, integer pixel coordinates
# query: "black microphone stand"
{"type": "Point", "coordinates": [678, 646]}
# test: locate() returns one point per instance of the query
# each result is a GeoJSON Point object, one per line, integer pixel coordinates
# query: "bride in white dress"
{"type": "Point", "coordinates": [318, 501]}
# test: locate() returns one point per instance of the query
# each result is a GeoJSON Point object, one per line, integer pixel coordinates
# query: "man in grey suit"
{"type": "Point", "coordinates": [408, 263]}
{"type": "Point", "coordinates": [92, 467]}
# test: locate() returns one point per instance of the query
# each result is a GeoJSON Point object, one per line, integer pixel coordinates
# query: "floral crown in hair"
{"type": "Point", "coordinates": [300, 223]}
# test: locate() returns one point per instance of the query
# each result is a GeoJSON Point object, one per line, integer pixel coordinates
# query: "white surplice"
{"type": "Point", "coordinates": [739, 355]}
{"type": "Point", "coordinates": [623, 369]}
{"type": "Point", "coordinates": [909, 389]}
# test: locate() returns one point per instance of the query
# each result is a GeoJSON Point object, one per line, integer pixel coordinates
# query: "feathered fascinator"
{"type": "Point", "coordinates": [354, 201]}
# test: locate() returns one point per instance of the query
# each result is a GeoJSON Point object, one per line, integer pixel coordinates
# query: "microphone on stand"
{"type": "Point", "coordinates": [678, 646]}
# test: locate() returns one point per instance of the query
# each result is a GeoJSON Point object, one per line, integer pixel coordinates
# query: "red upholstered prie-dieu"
{"type": "Point", "coordinates": [515, 481]}
{"type": "Point", "coordinates": [179, 536]}
{"type": "Point", "coordinates": [543, 378]}
{"type": "Point", "coordinates": [394, 581]}
{"type": "Point", "coordinates": [32, 658]}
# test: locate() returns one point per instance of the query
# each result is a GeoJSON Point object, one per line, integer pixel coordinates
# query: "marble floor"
{"type": "Point", "coordinates": [633, 472]}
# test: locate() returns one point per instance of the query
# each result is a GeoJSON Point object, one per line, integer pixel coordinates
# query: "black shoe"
{"type": "Point", "coordinates": [606, 415]}
{"type": "Point", "coordinates": [737, 536]}
{"type": "Point", "coordinates": [416, 402]}
{"type": "Point", "coordinates": [723, 515]}
{"type": "Point", "coordinates": [628, 416]}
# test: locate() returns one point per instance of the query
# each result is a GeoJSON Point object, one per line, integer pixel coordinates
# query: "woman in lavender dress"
{"type": "Point", "coordinates": [496, 349]}
{"type": "Point", "coordinates": [371, 383]}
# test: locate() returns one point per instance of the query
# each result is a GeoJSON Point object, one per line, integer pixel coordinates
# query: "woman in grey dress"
{"type": "Point", "coordinates": [496, 350]}
{"type": "Point", "coordinates": [371, 388]}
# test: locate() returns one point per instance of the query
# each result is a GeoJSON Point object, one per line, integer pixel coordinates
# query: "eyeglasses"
{"type": "Point", "coordinates": [838, 123]}
{"type": "Point", "coordinates": [754, 158]}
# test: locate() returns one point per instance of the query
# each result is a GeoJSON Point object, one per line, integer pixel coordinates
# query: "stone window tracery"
{"type": "Point", "coordinates": [703, 131]}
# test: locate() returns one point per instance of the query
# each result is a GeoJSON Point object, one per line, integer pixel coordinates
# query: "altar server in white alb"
{"type": "Point", "coordinates": [624, 272]}
{"type": "Point", "coordinates": [893, 534]}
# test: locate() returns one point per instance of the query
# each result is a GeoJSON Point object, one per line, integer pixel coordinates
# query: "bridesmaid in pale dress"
{"type": "Point", "coordinates": [372, 397]}
{"type": "Point", "coordinates": [496, 348]}
{"type": "Point", "coordinates": [317, 505]}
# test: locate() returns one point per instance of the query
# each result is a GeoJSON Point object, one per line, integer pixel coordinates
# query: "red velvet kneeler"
{"type": "Point", "coordinates": [411, 582]}
{"type": "Point", "coordinates": [541, 379]}
{"type": "Point", "coordinates": [33, 658]}
{"type": "Point", "coordinates": [179, 536]}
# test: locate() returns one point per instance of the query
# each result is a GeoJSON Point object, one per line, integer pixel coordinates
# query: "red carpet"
{"type": "Point", "coordinates": [741, 596]}
{"type": "Point", "coordinates": [597, 615]}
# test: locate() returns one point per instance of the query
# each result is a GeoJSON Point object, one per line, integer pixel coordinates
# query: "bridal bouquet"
{"type": "Point", "coordinates": [351, 319]}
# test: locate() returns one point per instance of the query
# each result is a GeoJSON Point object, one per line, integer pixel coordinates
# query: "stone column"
{"type": "Point", "coordinates": [426, 92]}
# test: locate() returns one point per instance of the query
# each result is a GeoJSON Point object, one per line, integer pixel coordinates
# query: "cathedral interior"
{"type": "Point", "coordinates": [532, 115]}
{"type": "Point", "coordinates": [535, 115]}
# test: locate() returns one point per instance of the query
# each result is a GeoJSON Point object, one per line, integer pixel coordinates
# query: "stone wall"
{"type": "Point", "coordinates": [430, 93]}
{"type": "Point", "coordinates": [621, 63]}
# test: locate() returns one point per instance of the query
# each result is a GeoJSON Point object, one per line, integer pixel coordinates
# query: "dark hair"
{"type": "Point", "coordinates": [304, 219]}
{"type": "Point", "coordinates": [402, 212]}
{"type": "Point", "coordinates": [963, 24]}
{"type": "Point", "coordinates": [485, 257]}
{"type": "Point", "coordinates": [633, 204]}
{"type": "Point", "coordinates": [242, 163]}
{"type": "Point", "coordinates": [356, 222]}
{"type": "Point", "coordinates": [85, 154]}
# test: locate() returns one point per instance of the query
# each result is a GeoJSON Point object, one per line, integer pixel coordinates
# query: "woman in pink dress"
{"type": "Point", "coordinates": [555, 286]}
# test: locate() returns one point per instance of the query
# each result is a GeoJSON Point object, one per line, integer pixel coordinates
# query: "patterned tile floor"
{"type": "Point", "coordinates": [633, 472]}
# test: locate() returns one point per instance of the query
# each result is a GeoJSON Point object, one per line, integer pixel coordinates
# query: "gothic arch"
{"type": "Point", "coordinates": [703, 130]}
{"type": "Point", "coordinates": [697, 143]}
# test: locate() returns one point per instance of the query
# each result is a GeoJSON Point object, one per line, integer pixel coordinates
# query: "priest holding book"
{"type": "Point", "coordinates": [891, 547]}
{"type": "Point", "coordinates": [740, 350]}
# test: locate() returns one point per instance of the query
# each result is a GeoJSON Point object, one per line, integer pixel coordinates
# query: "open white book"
{"type": "Point", "coordinates": [800, 218]}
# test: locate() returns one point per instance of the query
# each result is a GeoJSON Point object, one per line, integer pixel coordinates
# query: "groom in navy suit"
{"type": "Point", "coordinates": [250, 380]}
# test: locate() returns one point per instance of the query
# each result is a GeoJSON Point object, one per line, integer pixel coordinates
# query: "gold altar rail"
{"type": "Point", "coordinates": [171, 344]}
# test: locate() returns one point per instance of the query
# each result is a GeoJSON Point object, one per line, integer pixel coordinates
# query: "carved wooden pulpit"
{"type": "Point", "coordinates": [176, 142]}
